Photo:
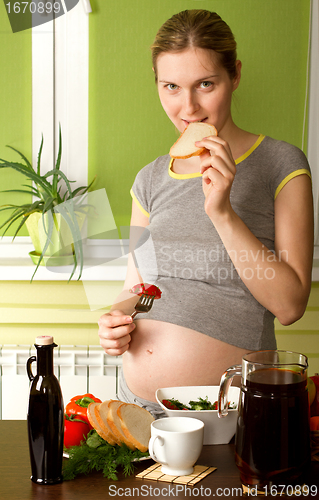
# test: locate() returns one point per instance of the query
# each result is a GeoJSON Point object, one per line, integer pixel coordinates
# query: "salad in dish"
{"type": "Point", "coordinates": [200, 404]}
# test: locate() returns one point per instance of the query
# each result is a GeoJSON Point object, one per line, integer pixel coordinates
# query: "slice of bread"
{"type": "Point", "coordinates": [136, 424]}
{"type": "Point", "coordinates": [114, 422]}
{"type": "Point", "coordinates": [105, 432]}
{"type": "Point", "coordinates": [102, 417]}
{"type": "Point", "coordinates": [185, 147]}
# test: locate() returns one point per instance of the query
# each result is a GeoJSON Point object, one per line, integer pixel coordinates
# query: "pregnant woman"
{"type": "Point", "coordinates": [225, 227]}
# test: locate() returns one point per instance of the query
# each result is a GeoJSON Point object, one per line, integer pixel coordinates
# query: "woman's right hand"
{"type": "Point", "coordinates": [115, 328]}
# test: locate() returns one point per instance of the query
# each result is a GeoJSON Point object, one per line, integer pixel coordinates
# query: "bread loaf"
{"type": "Point", "coordinates": [185, 147]}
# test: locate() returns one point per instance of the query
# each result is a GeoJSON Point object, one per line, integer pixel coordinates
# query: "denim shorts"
{"type": "Point", "coordinates": [127, 396]}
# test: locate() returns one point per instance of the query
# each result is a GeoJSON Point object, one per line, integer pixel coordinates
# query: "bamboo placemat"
{"type": "Point", "coordinates": [154, 473]}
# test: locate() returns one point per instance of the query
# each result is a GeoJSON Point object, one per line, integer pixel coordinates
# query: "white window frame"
{"type": "Point", "coordinates": [60, 73]}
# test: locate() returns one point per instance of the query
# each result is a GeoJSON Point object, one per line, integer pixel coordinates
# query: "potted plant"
{"type": "Point", "coordinates": [54, 216]}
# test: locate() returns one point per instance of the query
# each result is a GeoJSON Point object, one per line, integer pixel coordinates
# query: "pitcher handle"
{"type": "Point", "coordinates": [29, 371]}
{"type": "Point", "coordinates": [225, 383]}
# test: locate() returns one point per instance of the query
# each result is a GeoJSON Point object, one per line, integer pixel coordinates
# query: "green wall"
{"type": "Point", "coordinates": [127, 127]}
{"type": "Point", "coordinates": [15, 105]}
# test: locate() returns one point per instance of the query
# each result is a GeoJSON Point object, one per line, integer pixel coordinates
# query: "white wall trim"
{"type": "Point", "coordinates": [72, 91]}
{"type": "Point", "coordinates": [43, 94]}
{"type": "Point", "coordinates": [60, 72]}
{"type": "Point", "coordinates": [313, 119]}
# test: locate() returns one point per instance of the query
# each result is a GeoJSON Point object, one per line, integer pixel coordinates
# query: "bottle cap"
{"type": "Point", "coordinates": [44, 340]}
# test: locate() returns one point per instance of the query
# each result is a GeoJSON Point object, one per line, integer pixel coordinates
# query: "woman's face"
{"type": "Point", "coordinates": [193, 87]}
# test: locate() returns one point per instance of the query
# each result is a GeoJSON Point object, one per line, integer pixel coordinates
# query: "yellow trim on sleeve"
{"type": "Point", "coordinates": [250, 150]}
{"type": "Point", "coordinates": [138, 204]}
{"type": "Point", "coordinates": [301, 171]}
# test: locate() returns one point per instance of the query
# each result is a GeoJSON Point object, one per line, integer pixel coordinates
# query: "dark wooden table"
{"type": "Point", "coordinates": [15, 483]}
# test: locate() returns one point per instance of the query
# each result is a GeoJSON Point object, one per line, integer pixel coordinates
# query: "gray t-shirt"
{"type": "Point", "coordinates": [186, 258]}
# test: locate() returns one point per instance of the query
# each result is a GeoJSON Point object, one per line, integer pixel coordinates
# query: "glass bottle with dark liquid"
{"type": "Point", "coordinates": [45, 416]}
{"type": "Point", "coordinates": [272, 443]}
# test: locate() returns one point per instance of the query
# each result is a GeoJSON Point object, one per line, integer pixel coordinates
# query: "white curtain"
{"type": "Point", "coordinates": [313, 123]}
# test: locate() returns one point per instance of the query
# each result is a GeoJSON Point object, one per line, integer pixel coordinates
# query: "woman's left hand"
{"type": "Point", "coordinates": [218, 169]}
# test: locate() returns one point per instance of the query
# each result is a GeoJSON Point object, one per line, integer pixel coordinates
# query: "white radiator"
{"type": "Point", "coordinates": [80, 369]}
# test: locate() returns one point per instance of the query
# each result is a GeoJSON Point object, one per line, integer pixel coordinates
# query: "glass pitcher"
{"type": "Point", "coordinates": [272, 443]}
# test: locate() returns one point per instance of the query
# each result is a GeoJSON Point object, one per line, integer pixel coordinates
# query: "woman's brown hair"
{"type": "Point", "coordinates": [197, 28]}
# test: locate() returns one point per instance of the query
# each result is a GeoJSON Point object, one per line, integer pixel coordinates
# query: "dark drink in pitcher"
{"type": "Point", "coordinates": [272, 438]}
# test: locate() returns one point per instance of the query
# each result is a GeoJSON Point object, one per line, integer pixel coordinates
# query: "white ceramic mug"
{"type": "Point", "coordinates": [176, 443]}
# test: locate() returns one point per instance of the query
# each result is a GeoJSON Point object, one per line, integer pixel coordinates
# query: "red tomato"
{"type": "Point", "coordinates": [75, 430]}
{"type": "Point", "coordinates": [170, 405]}
{"type": "Point", "coordinates": [314, 423]}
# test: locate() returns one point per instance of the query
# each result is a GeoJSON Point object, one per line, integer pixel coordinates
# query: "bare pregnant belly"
{"type": "Point", "coordinates": [166, 355]}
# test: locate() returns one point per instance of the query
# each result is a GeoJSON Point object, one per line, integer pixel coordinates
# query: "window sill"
{"type": "Point", "coordinates": [104, 260]}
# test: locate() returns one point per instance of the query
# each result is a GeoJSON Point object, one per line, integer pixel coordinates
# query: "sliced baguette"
{"type": "Point", "coordinates": [104, 432]}
{"type": "Point", "coordinates": [185, 147]}
{"type": "Point", "coordinates": [136, 424]}
{"type": "Point", "coordinates": [112, 418]}
{"type": "Point", "coordinates": [101, 415]}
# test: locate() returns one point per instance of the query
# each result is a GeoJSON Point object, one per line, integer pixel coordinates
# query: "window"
{"type": "Point", "coordinates": [60, 92]}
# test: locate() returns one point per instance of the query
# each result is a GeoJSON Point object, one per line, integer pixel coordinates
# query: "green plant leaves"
{"type": "Point", "coordinates": [47, 189]}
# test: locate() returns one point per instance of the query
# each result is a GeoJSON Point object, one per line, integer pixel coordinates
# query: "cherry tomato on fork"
{"type": "Point", "coordinates": [146, 289]}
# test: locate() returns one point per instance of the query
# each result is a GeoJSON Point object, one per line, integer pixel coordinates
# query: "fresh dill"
{"type": "Point", "coordinates": [95, 454]}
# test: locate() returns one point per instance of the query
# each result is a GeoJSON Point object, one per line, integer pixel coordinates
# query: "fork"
{"type": "Point", "coordinates": [144, 305]}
